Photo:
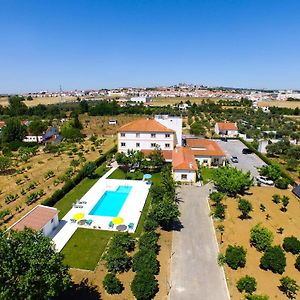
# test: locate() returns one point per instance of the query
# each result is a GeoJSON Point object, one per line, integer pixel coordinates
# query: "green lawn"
{"type": "Point", "coordinates": [84, 249]}
{"type": "Point", "coordinates": [207, 174]}
{"type": "Point", "coordinates": [117, 174]}
{"type": "Point", "coordinates": [65, 204]}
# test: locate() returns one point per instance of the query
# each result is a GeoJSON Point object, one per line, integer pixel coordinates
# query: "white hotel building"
{"type": "Point", "coordinates": [147, 134]}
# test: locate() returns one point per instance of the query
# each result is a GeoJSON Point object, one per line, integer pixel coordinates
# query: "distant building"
{"type": "Point", "coordinates": [112, 122]}
{"type": "Point", "coordinates": [184, 166]}
{"type": "Point", "coordinates": [52, 136]}
{"type": "Point", "coordinates": [141, 99]}
{"type": "Point", "coordinates": [207, 152]}
{"type": "Point", "coordinates": [33, 138]}
{"type": "Point", "coordinates": [41, 218]}
{"type": "Point", "coordinates": [226, 129]}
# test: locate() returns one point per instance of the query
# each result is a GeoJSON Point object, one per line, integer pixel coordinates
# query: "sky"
{"type": "Point", "coordinates": [94, 44]}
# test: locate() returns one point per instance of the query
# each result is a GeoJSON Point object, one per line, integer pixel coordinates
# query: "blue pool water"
{"type": "Point", "coordinates": [111, 202]}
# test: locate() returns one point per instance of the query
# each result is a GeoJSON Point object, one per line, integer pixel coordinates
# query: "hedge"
{"type": "Point", "coordinates": [86, 170]}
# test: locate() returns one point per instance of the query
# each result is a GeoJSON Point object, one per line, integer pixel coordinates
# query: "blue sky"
{"type": "Point", "coordinates": [113, 43]}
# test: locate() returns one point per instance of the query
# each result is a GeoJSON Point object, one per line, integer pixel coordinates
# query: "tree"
{"type": "Point", "coordinates": [16, 106]}
{"type": "Point", "coordinates": [216, 197]}
{"type": "Point", "coordinates": [13, 131]}
{"type": "Point", "coordinates": [145, 261]}
{"type": "Point", "coordinates": [112, 284]}
{"type": "Point", "coordinates": [285, 202]}
{"type": "Point", "coordinates": [297, 263]}
{"type": "Point", "coordinates": [165, 212]}
{"type": "Point", "coordinates": [117, 260]}
{"type": "Point", "coordinates": [246, 284]}
{"type": "Point", "coordinates": [261, 237]}
{"type": "Point", "coordinates": [84, 106]}
{"type": "Point", "coordinates": [282, 183]}
{"type": "Point", "coordinates": [235, 257]}
{"type": "Point", "coordinates": [5, 163]}
{"type": "Point", "coordinates": [292, 164]}
{"type": "Point", "coordinates": [29, 98]}
{"type": "Point", "coordinates": [144, 286]}
{"type": "Point", "coordinates": [274, 260]}
{"type": "Point", "coordinates": [37, 127]}
{"type": "Point", "coordinates": [123, 241]}
{"type": "Point", "coordinates": [31, 266]}
{"type": "Point", "coordinates": [71, 133]}
{"type": "Point", "coordinates": [257, 297]}
{"type": "Point", "coordinates": [76, 123]}
{"type": "Point", "coordinates": [276, 198]}
{"type": "Point", "coordinates": [219, 211]}
{"type": "Point", "coordinates": [148, 240]}
{"type": "Point", "coordinates": [270, 171]}
{"type": "Point", "coordinates": [157, 160]}
{"type": "Point", "coordinates": [291, 244]}
{"type": "Point", "coordinates": [289, 287]}
{"type": "Point", "coordinates": [245, 207]}
{"type": "Point", "coordinates": [231, 180]}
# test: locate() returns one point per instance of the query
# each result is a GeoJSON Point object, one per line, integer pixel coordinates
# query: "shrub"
{"type": "Point", "coordinates": [149, 241]}
{"type": "Point", "coordinates": [144, 286]}
{"type": "Point", "coordinates": [246, 284]}
{"type": "Point", "coordinates": [282, 183]}
{"type": "Point", "coordinates": [274, 260]}
{"type": "Point", "coordinates": [260, 237]}
{"type": "Point", "coordinates": [276, 198]}
{"type": "Point", "coordinates": [291, 244]}
{"type": "Point", "coordinates": [112, 284]}
{"type": "Point", "coordinates": [145, 261]}
{"type": "Point", "coordinates": [216, 196]}
{"type": "Point", "coordinates": [219, 211]}
{"type": "Point", "coordinates": [285, 202]}
{"type": "Point", "coordinates": [221, 259]}
{"type": "Point", "coordinates": [289, 287]}
{"type": "Point", "coordinates": [150, 224]}
{"type": "Point", "coordinates": [297, 263]}
{"type": "Point", "coordinates": [117, 260]}
{"type": "Point", "coordinates": [245, 207]}
{"type": "Point", "coordinates": [122, 241]}
{"type": "Point", "coordinates": [235, 257]}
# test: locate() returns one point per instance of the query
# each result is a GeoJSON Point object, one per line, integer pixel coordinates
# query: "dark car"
{"type": "Point", "coordinates": [247, 151]}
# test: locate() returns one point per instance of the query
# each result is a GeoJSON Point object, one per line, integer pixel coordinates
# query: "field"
{"type": "Point", "coordinates": [237, 231]}
{"type": "Point", "coordinates": [34, 170]}
{"type": "Point", "coordinates": [163, 101]}
{"type": "Point", "coordinates": [288, 104]}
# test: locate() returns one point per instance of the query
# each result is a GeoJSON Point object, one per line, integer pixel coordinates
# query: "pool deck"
{"type": "Point", "coordinates": [130, 211]}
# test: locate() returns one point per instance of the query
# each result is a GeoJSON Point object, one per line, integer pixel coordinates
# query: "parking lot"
{"type": "Point", "coordinates": [247, 162]}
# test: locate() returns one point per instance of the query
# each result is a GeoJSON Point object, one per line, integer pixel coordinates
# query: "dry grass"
{"type": "Point", "coordinates": [41, 163]}
{"type": "Point", "coordinates": [288, 104]}
{"type": "Point", "coordinates": [163, 101]}
{"type": "Point", "coordinates": [237, 231]}
{"type": "Point", "coordinates": [96, 277]}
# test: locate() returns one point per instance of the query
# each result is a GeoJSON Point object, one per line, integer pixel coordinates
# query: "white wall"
{"type": "Point", "coordinates": [208, 160]}
{"type": "Point", "coordinates": [33, 138]}
{"type": "Point", "coordinates": [50, 226]}
{"type": "Point", "coordinates": [229, 133]}
{"type": "Point", "coordinates": [145, 140]}
{"type": "Point", "coordinates": [174, 123]}
{"type": "Point", "coordinates": [191, 175]}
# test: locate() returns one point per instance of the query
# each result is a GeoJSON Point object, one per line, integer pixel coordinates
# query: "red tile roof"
{"type": "Point", "coordinates": [36, 219]}
{"type": "Point", "coordinates": [227, 126]}
{"type": "Point", "coordinates": [183, 159]}
{"type": "Point", "coordinates": [144, 125]}
{"type": "Point", "coordinates": [204, 147]}
{"type": "Point", "coordinates": [167, 154]}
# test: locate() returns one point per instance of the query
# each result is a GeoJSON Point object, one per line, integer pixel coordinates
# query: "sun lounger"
{"type": "Point", "coordinates": [89, 222]}
{"type": "Point", "coordinates": [111, 224]}
{"type": "Point", "coordinates": [130, 225]}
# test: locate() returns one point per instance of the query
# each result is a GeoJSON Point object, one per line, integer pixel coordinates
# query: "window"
{"type": "Point", "coordinates": [153, 145]}
{"type": "Point", "coordinates": [167, 145]}
{"type": "Point", "coordinates": [153, 135]}
{"type": "Point", "coordinates": [167, 135]}
{"type": "Point", "coordinates": [122, 134]}
{"type": "Point", "coordinates": [183, 176]}
{"type": "Point", "coordinates": [123, 144]}
{"type": "Point", "coordinates": [137, 145]}
{"type": "Point", "coordinates": [137, 135]}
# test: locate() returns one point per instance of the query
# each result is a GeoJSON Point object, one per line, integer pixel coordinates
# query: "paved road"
{"type": "Point", "coordinates": [194, 270]}
{"type": "Point", "coordinates": [247, 162]}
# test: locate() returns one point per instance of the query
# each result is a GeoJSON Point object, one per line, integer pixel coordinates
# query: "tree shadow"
{"type": "Point", "coordinates": [82, 291]}
{"type": "Point", "coordinates": [176, 226]}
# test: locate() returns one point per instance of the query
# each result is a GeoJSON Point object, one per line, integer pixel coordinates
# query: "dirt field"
{"type": "Point", "coordinates": [41, 163]}
{"type": "Point", "coordinates": [99, 124]}
{"type": "Point", "coordinates": [288, 104]}
{"type": "Point", "coordinates": [96, 277]}
{"type": "Point", "coordinates": [163, 101]}
{"type": "Point", "coordinates": [237, 231]}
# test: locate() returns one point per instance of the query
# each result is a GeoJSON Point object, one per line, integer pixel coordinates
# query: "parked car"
{"type": "Point", "coordinates": [234, 159]}
{"type": "Point", "coordinates": [264, 180]}
{"type": "Point", "coordinates": [247, 151]}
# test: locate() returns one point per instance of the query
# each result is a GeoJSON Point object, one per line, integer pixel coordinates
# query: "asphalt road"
{"type": "Point", "coordinates": [195, 273]}
{"type": "Point", "coordinates": [247, 162]}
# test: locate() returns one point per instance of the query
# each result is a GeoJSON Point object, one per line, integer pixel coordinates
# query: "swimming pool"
{"type": "Point", "coordinates": [111, 202]}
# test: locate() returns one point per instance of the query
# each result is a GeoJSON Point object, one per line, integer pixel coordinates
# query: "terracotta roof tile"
{"type": "Point", "coordinates": [144, 125]}
{"type": "Point", "coordinates": [167, 154]}
{"type": "Point", "coordinates": [36, 219]}
{"type": "Point", "coordinates": [204, 147]}
{"type": "Point", "coordinates": [183, 159]}
{"type": "Point", "coordinates": [227, 126]}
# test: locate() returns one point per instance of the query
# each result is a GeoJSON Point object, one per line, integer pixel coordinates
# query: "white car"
{"type": "Point", "coordinates": [264, 180]}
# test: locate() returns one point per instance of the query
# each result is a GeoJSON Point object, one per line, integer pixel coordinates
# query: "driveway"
{"type": "Point", "coordinates": [247, 162]}
{"type": "Point", "coordinates": [194, 270]}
